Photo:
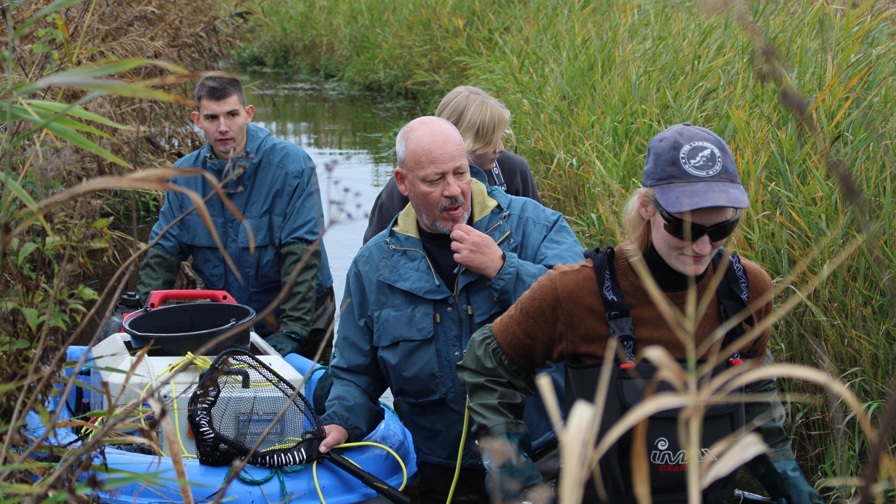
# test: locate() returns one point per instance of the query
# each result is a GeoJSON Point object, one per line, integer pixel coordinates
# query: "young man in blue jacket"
{"type": "Point", "coordinates": [452, 261]}
{"type": "Point", "coordinates": [274, 185]}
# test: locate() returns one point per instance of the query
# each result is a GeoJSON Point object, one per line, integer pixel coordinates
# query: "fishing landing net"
{"type": "Point", "coordinates": [242, 408]}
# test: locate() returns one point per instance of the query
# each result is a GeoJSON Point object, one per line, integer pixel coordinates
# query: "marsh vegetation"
{"type": "Point", "coordinates": [803, 91]}
{"type": "Point", "coordinates": [91, 98]}
{"type": "Point", "coordinates": [92, 114]}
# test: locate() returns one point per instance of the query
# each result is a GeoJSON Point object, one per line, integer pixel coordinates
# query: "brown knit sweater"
{"type": "Point", "coordinates": [562, 315]}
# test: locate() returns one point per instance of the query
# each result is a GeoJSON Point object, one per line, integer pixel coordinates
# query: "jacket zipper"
{"type": "Point", "coordinates": [408, 249]}
{"type": "Point", "coordinates": [455, 293]}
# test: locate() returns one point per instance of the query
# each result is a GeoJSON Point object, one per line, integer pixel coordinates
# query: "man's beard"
{"type": "Point", "coordinates": [434, 225]}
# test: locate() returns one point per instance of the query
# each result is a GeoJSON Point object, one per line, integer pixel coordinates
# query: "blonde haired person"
{"type": "Point", "coordinates": [482, 121]}
{"type": "Point", "coordinates": [675, 224]}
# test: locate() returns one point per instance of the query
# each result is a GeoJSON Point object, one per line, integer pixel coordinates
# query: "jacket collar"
{"type": "Point", "coordinates": [255, 138]}
{"type": "Point", "coordinates": [482, 205]}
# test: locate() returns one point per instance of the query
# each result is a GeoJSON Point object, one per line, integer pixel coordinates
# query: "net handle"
{"type": "Point", "coordinates": [368, 479]}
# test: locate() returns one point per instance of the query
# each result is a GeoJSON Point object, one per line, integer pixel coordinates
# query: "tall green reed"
{"type": "Point", "coordinates": [590, 82]}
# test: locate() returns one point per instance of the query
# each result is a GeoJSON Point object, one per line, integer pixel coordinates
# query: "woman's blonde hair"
{"type": "Point", "coordinates": [636, 229]}
{"type": "Point", "coordinates": [481, 119]}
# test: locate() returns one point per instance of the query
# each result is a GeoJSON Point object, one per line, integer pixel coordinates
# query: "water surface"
{"type": "Point", "coordinates": [350, 137]}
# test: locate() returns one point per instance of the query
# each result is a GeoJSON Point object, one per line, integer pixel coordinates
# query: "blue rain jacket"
{"type": "Point", "coordinates": [403, 328]}
{"type": "Point", "coordinates": [279, 196]}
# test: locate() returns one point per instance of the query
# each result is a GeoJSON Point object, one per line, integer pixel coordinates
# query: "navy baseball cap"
{"type": "Point", "coordinates": [690, 168]}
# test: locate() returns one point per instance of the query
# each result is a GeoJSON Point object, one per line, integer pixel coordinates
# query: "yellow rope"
{"type": "Point", "coordinates": [460, 451]}
{"type": "Point", "coordinates": [404, 470]}
{"type": "Point", "coordinates": [201, 363]}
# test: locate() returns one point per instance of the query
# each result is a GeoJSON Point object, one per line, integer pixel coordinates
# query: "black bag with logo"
{"type": "Point", "coordinates": [629, 383]}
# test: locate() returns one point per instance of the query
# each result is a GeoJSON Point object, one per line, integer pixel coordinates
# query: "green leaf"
{"type": "Point", "coordinates": [98, 78]}
{"type": "Point", "coordinates": [43, 413]}
{"type": "Point", "coordinates": [102, 223]}
{"type": "Point", "coordinates": [87, 294]}
{"type": "Point", "coordinates": [81, 141]}
{"type": "Point", "coordinates": [25, 251]}
{"type": "Point", "coordinates": [42, 120]}
{"type": "Point", "coordinates": [75, 111]}
{"type": "Point", "coordinates": [25, 466]}
{"type": "Point", "coordinates": [76, 306]}
{"type": "Point", "coordinates": [53, 7]}
{"type": "Point", "coordinates": [21, 344]}
{"type": "Point", "coordinates": [18, 190]}
{"type": "Point", "coordinates": [120, 88]}
{"type": "Point", "coordinates": [31, 318]}
{"type": "Point", "coordinates": [88, 72]}
{"type": "Point", "coordinates": [98, 244]}
{"type": "Point", "coordinates": [59, 320]}
{"type": "Point", "coordinates": [6, 387]}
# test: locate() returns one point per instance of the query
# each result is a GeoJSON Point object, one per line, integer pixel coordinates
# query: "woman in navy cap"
{"type": "Point", "coordinates": [675, 225]}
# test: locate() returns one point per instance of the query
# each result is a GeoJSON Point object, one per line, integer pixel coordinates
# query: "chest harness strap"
{"type": "Point", "coordinates": [732, 293]}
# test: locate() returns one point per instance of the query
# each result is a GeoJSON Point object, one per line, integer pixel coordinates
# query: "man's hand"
{"type": "Point", "coordinates": [476, 250]}
{"type": "Point", "coordinates": [512, 475]}
{"type": "Point", "coordinates": [785, 482]}
{"type": "Point", "coordinates": [336, 435]}
{"type": "Point", "coordinates": [287, 342]}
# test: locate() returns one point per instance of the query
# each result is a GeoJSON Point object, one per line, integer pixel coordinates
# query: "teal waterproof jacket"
{"type": "Point", "coordinates": [404, 329]}
{"type": "Point", "coordinates": [277, 193]}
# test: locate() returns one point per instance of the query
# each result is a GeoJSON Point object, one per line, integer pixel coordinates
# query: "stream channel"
{"type": "Point", "coordinates": [350, 137]}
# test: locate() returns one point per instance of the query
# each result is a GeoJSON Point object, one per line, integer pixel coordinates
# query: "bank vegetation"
{"type": "Point", "coordinates": [93, 109]}
{"type": "Point", "coordinates": [93, 92]}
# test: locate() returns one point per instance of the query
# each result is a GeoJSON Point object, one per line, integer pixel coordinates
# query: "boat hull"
{"type": "Point", "coordinates": [128, 477]}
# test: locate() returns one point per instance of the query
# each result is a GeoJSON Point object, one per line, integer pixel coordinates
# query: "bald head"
{"type": "Point", "coordinates": [422, 135]}
{"type": "Point", "coordinates": [434, 173]}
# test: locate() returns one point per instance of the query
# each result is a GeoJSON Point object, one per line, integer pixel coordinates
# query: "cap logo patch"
{"type": "Point", "coordinates": [701, 159]}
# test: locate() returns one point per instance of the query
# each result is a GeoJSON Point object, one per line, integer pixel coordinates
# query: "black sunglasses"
{"type": "Point", "coordinates": [678, 227]}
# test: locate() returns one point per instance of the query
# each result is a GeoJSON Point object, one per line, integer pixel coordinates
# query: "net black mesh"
{"type": "Point", "coordinates": [234, 408]}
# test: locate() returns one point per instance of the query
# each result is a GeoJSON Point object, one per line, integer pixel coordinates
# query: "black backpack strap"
{"type": "Point", "coordinates": [734, 297]}
{"type": "Point", "coordinates": [619, 319]}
